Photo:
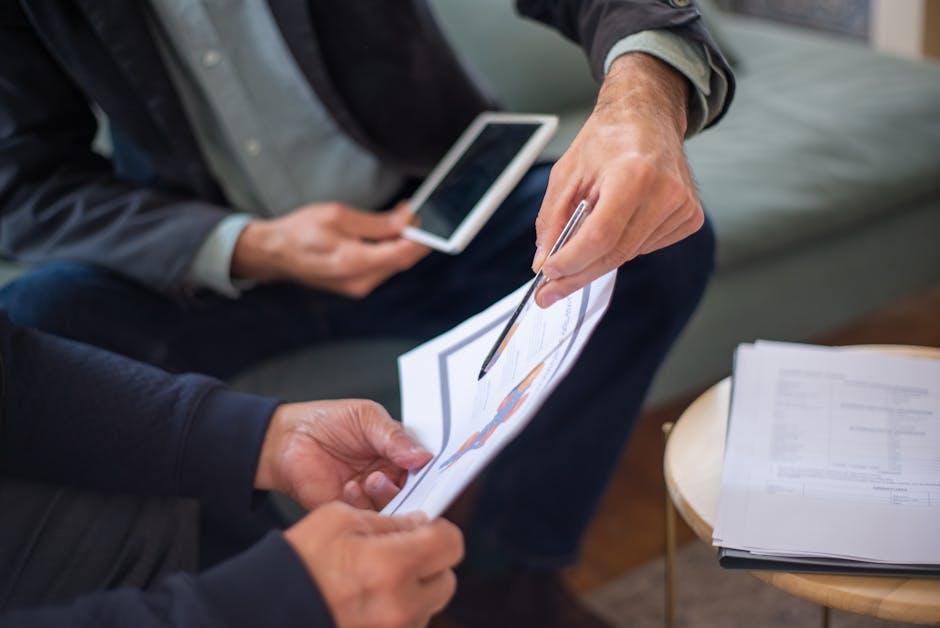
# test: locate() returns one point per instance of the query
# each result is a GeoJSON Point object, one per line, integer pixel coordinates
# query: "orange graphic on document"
{"type": "Point", "coordinates": [507, 408]}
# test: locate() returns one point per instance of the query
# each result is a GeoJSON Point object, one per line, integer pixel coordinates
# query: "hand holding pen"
{"type": "Point", "coordinates": [503, 339]}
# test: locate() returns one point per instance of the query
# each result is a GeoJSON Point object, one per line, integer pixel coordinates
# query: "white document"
{"type": "Point", "coordinates": [832, 453]}
{"type": "Point", "coordinates": [465, 422]}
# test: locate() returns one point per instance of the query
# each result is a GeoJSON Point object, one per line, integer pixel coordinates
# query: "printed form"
{"type": "Point", "coordinates": [833, 453]}
{"type": "Point", "coordinates": [466, 422]}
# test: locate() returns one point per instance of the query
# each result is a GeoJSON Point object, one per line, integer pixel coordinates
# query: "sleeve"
{"type": "Point", "coordinates": [709, 85]}
{"type": "Point", "coordinates": [599, 25]}
{"type": "Point", "coordinates": [212, 266]}
{"type": "Point", "coordinates": [265, 586]}
{"type": "Point", "coordinates": [60, 200]}
{"type": "Point", "coordinates": [76, 415]}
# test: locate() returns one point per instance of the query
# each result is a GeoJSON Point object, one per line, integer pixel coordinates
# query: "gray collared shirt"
{"type": "Point", "coordinates": [269, 140]}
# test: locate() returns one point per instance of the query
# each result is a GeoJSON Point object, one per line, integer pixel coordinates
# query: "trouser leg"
{"type": "Point", "coordinates": [575, 441]}
{"type": "Point", "coordinates": [204, 333]}
{"type": "Point", "coordinates": [57, 543]}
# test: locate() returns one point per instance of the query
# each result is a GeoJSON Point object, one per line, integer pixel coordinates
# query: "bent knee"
{"type": "Point", "coordinates": [50, 297]}
{"type": "Point", "coordinates": [672, 280]}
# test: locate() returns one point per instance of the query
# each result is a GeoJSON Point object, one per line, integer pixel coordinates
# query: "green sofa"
{"type": "Point", "coordinates": [823, 183]}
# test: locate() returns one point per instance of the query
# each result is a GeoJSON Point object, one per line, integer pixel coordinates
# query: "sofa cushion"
{"type": "Point", "coordinates": [823, 135]}
{"type": "Point", "coordinates": [526, 65]}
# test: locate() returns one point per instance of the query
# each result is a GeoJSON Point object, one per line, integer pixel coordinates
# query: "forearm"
{"type": "Point", "coordinates": [605, 28]}
{"type": "Point", "coordinates": [73, 414]}
{"type": "Point", "coordinates": [80, 212]}
{"type": "Point", "coordinates": [640, 85]}
{"type": "Point", "coordinates": [60, 200]}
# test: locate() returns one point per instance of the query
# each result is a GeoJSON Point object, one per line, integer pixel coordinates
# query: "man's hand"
{"type": "Point", "coordinates": [628, 161]}
{"type": "Point", "coordinates": [328, 246]}
{"type": "Point", "coordinates": [348, 449]}
{"type": "Point", "coordinates": [378, 571]}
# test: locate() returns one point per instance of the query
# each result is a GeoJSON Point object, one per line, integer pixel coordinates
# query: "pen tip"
{"type": "Point", "coordinates": [480, 376]}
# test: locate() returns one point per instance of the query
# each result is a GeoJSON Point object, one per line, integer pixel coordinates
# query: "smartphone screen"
{"type": "Point", "coordinates": [474, 173]}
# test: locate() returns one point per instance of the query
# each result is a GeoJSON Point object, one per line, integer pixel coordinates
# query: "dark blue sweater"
{"type": "Point", "coordinates": [72, 414]}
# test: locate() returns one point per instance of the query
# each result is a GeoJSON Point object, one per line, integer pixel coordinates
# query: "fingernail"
{"type": "Point", "coordinates": [537, 259]}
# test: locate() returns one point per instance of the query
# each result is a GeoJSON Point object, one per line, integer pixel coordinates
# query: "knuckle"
{"type": "Point", "coordinates": [617, 257]}
{"type": "Point", "coordinates": [643, 169]}
{"type": "Point", "coordinates": [455, 541]}
{"type": "Point", "coordinates": [358, 289]}
{"type": "Point", "coordinates": [558, 170]}
{"type": "Point", "coordinates": [399, 616]}
{"type": "Point", "coordinates": [600, 237]}
{"type": "Point", "coordinates": [541, 223]}
{"type": "Point", "coordinates": [368, 406]}
{"type": "Point", "coordinates": [331, 212]}
{"type": "Point", "coordinates": [697, 219]}
{"type": "Point", "coordinates": [450, 585]}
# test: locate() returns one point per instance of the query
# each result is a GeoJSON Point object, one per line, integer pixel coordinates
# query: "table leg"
{"type": "Point", "coordinates": [825, 617]}
{"type": "Point", "coordinates": [670, 530]}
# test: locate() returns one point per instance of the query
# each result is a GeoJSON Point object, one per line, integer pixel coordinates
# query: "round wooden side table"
{"type": "Point", "coordinates": [692, 467]}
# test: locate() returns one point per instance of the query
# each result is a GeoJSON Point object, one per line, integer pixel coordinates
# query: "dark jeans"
{"type": "Point", "coordinates": [538, 496]}
{"type": "Point", "coordinates": [57, 543]}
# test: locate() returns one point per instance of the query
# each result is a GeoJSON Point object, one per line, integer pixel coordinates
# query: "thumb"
{"type": "Point", "coordinates": [390, 439]}
{"type": "Point", "coordinates": [371, 523]}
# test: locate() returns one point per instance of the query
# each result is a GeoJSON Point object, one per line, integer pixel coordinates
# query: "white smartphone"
{"type": "Point", "coordinates": [475, 176]}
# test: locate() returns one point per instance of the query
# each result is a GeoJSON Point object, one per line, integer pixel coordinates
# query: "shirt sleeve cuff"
{"type": "Point", "coordinates": [710, 85]}
{"type": "Point", "coordinates": [211, 267]}
{"type": "Point", "coordinates": [267, 585]}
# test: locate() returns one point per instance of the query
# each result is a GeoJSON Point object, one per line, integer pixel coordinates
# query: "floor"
{"type": "Point", "coordinates": [628, 530]}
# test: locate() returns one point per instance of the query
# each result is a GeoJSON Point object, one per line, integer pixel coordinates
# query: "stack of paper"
{"type": "Point", "coordinates": [832, 462]}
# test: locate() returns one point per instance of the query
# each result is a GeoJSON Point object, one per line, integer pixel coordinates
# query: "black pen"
{"type": "Point", "coordinates": [573, 223]}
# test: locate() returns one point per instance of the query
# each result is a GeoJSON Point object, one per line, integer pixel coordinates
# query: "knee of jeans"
{"type": "Point", "coordinates": [49, 297]}
{"type": "Point", "coordinates": [675, 278]}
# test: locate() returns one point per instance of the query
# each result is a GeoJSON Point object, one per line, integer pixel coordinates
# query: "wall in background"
{"type": "Point", "coordinates": [909, 28]}
{"type": "Point", "coordinates": [851, 18]}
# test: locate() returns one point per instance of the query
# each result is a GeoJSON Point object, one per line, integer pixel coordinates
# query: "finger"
{"type": "Point", "coordinates": [389, 438]}
{"type": "Point", "coordinates": [355, 496]}
{"type": "Point", "coordinates": [380, 489]}
{"type": "Point", "coordinates": [367, 225]}
{"type": "Point", "coordinates": [430, 548]}
{"type": "Point", "coordinates": [557, 207]}
{"type": "Point", "coordinates": [355, 259]}
{"type": "Point", "coordinates": [393, 255]}
{"type": "Point", "coordinates": [553, 291]}
{"type": "Point", "coordinates": [438, 589]}
{"type": "Point", "coordinates": [372, 523]}
{"type": "Point", "coordinates": [600, 233]}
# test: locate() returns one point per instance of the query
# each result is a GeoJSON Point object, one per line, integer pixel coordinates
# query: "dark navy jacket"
{"type": "Point", "coordinates": [381, 67]}
{"type": "Point", "coordinates": [75, 415]}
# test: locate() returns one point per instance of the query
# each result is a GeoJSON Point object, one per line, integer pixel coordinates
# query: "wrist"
{"type": "Point", "coordinates": [638, 83]}
{"type": "Point", "coordinates": [255, 253]}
